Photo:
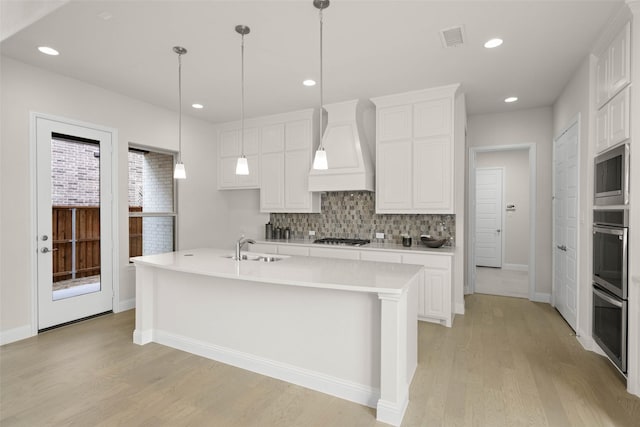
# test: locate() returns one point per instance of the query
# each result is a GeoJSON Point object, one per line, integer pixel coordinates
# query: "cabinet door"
{"type": "Point", "coordinates": [602, 82]}
{"type": "Point", "coordinates": [272, 182]}
{"type": "Point", "coordinates": [273, 138]}
{"type": "Point", "coordinates": [394, 176]}
{"type": "Point", "coordinates": [619, 117]}
{"type": "Point", "coordinates": [296, 180]}
{"type": "Point", "coordinates": [298, 135]}
{"type": "Point", "coordinates": [436, 296]}
{"type": "Point", "coordinates": [394, 123]}
{"type": "Point", "coordinates": [229, 143]}
{"type": "Point", "coordinates": [619, 61]}
{"type": "Point", "coordinates": [602, 129]}
{"type": "Point", "coordinates": [433, 175]}
{"type": "Point", "coordinates": [432, 118]}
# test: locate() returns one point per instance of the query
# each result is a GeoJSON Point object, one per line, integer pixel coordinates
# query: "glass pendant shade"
{"type": "Point", "coordinates": [242, 166]}
{"type": "Point", "coordinates": [320, 160]}
{"type": "Point", "coordinates": [179, 172]}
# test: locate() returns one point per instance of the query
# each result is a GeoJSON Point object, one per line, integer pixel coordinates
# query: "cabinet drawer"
{"type": "Point", "coordinates": [334, 253]}
{"type": "Point", "coordinates": [293, 250]}
{"type": "Point", "coordinates": [442, 262]}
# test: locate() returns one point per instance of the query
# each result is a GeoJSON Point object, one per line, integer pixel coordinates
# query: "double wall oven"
{"type": "Point", "coordinates": [610, 284]}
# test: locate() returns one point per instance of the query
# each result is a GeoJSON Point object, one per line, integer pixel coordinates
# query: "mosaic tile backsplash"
{"type": "Point", "coordinates": [352, 215]}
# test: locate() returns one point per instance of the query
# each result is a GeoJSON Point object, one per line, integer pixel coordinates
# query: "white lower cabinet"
{"type": "Point", "coordinates": [435, 294]}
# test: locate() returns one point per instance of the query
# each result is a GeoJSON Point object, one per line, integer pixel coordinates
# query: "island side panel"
{"type": "Point", "coordinates": [145, 304]}
{"type": "Point", "coordinates": [327, 340]}
{"type": "Point", "coordinates": [399, 351]}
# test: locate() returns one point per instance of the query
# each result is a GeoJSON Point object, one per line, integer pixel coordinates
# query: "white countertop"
{"type": "Point", "coordinates": [390, 247]}
{"type": "Point", "coordinates": [325, 273]}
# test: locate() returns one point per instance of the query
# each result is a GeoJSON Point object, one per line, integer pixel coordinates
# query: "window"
{"type": "Point", "coordinates": [152, 213]}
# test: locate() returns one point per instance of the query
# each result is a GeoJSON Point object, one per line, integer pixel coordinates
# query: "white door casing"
{"type": "Point", "coordinates": [48, 312]}
{"type": "Point", "coordinates": [489, 189]}
{"type": "Point", "coordinates": [565, 223]}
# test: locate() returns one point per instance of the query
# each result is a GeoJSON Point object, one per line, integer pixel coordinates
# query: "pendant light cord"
{"type": "Point", "coordinates": [242, 97]}
{"type": "Point", "coordinates": [321, 96]}
{"type": "Point", "coordinates": [180, 108]}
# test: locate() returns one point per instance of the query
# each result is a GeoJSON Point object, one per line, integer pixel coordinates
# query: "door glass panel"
{"type": "Point", "coordinates": [75, 199]}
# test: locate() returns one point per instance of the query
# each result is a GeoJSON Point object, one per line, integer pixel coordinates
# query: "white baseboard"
{"type": "Point", "coordinates": [128, 304]}
{"type": "Point", "coordinates": [541, 297]}
{"type": "Point", "coordinates": [515, 267]}
{"type": "Point", "coordinates": [15, 334]}
{"type": "Point", "coordinates": [313, 380]}
{"type": "Point", "coordinates": [390, 413]}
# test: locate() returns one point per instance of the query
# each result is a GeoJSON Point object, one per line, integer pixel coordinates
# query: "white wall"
{"type": "Point", "coordinates": [523, 127]}
{"type": "Point", "coordinates": [574, 101]}
{"type": "Point", "coordinates": [516, 191]}
{"type": "Point", "coordinates": [204, 218]}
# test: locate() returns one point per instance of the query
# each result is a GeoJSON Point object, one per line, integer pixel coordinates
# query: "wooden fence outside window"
{"type": "Point", "coordinates": [76, 240]}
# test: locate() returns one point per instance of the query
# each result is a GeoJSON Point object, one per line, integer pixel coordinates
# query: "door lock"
{"type": "Point", "coordinates": [45, 238]}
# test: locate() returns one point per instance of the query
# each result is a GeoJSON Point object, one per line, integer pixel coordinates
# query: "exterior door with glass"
{"type": "Point", "coordinates": [74, 221]}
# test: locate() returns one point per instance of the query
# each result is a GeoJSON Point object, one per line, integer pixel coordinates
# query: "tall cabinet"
{"type": "Point", "coordinates": [415, 151]}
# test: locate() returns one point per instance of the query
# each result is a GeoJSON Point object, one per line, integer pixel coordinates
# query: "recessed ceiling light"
{"type": "Point", "coordinates": [493, 43]}
{"type": "Point", "coordinates": [197, 106]}
{"type": "Point", "coordinates": [309, 82]}
{"type": "Point", "coordinates": [511, 99]}
{"type": "Point", "coordinates": [48, 50]}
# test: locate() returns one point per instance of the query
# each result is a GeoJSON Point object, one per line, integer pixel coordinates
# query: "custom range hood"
{"type": "Point", "coordinates": [347, 148]}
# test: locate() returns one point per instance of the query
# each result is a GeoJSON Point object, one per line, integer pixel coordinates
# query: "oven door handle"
{"type": "Point", "coordinates": [607, 230]}
{"type": "Point", "coordinates": [607, 298]}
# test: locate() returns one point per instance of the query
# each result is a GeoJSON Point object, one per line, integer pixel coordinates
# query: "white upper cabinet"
{"type": "Point", "coordinates": [612, 121]}
{"type": "Point", "coordinates": [287, 149]}
{"type": "Point", "coordinates": [613, 69]}
{"type": "Point", "coordinates": [620, 61]}
{"type": "Point", "coordinates": [415, 151]}
{"type": "Point", "coordinates": [279, 150]}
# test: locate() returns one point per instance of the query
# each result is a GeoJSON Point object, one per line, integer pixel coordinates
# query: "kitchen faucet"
{"type": "Point", "coordinates": [239, 244]}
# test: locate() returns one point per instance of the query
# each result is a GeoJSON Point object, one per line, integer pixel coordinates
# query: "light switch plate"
{"type": "Point", "coordinates": [379, 235]}
{"type": "Point", "coordinates": [312, 233]}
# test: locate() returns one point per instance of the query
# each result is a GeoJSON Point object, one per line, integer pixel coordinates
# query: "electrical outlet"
{"type": "Point", "coordinates": [379, 235]}
{"type": "Point", "coordinates": [312, 233]}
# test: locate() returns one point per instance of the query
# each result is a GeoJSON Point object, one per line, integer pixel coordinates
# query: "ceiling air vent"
{"type": "Point", "coordinates": [452, 37]}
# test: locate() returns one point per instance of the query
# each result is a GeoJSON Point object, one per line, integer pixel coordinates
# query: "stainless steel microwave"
{"type": "Point", "coordinates": [612, 177]}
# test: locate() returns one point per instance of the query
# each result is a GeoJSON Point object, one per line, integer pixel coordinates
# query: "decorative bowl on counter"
{"type": "Point", "coordinates": [431, 242]}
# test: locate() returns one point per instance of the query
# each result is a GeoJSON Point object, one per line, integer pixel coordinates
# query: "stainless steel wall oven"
{"type": "Point", "coordinates": [610, 284]}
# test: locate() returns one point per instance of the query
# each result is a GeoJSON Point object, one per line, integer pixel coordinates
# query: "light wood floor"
{"type": "Point", "coordinates": [507, 362]}
{"type": "Point", "coordinates": [499, 281]}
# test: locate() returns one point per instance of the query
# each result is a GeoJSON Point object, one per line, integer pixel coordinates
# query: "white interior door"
{"type": "Point", "coordinates": [488, 248]}
{"type": "Point", "coordinates": [74, 221]}
{"type": "Point", "coordinates": [565, 224]}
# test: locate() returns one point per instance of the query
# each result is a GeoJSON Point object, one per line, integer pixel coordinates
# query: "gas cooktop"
{"type": "Point", "coordinates": [342, 242]}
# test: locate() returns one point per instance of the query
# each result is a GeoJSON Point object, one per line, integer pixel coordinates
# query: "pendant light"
{"type": "Point", "coordinates": [179, 172]}
{"type": "Point", "coordinates": [320, 159]}
{"type": "Point", "coordinates": [242, 166]}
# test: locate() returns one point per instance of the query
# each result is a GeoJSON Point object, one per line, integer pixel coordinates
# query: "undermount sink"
{"type": "Point", "coordinates": [257, 257]}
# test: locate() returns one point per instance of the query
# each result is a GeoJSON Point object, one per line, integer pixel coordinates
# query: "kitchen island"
{"type": "Point", "coordinates": [342, 327]}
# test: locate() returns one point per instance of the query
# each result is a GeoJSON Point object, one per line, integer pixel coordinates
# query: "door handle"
{"type": "Point", "coordinates": [562, 247]}
{"type": "Point", "coordinates": [47, 250]}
